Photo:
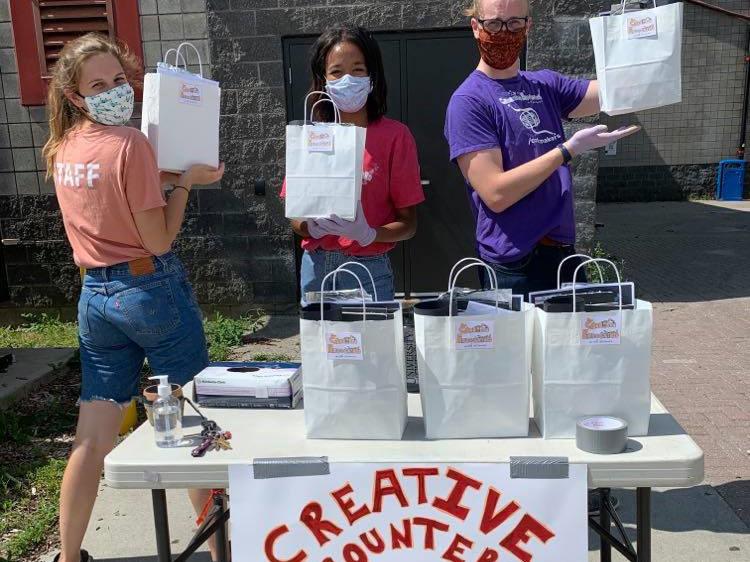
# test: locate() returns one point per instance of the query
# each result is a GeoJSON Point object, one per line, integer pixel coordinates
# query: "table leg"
{"type": "Point", "coordinates": [221, 532]}
{"type": "Point", "coordinates": [643, 524]}
{"type": "Point", "coordinates": [606, 523]}
{"type": "Point", "coordinates": [161, 524]}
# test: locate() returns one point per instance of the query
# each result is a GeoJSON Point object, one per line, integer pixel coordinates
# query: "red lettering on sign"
{"type": "Point", "coordinates": [421, 474]}
{"type": "Point", "coordinates": [492, 520]}
{"type": "Point", "coordinates": [354, 553]}
{"type": "Point", "coordinates": [312, 518]}
{"type": "Point", "coordinates": [429, 530]}
{"type": "Point", "coordinates": [402, 540]}
{"type": "Point", "coordinates": [301, 556]}
{"type": "Point", "coordinates": [373, 541]}
{"type": "Point", "coordinates": [452, 504]}
{"type": "Point", "coordinates": [489, 555]}
{"type": "Point", "coordinates": [381, 490]}
{"type": "Point", "coordinates": [523, 532]}
{"type": "Point", "coordinates": [458, 546]}
{"type": "Point", "coordinates": [346, 504]}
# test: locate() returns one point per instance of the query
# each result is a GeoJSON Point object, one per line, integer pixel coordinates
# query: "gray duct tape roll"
{"type": "Point", "coordinates": [602, 435]}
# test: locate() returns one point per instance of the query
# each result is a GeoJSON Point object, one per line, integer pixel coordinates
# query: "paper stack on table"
{"type": "Point", "coordinates": [249, 385]}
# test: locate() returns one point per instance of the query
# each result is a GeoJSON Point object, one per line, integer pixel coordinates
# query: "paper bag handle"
{"type": "Point", "coordinates": [472, 260]}
{"type": "Point", "coordinates": [559, 267]}
{"type": "Point", "coordinates": [342, 267]}
{"type": "Point", "coordinates": [177, 58]}
{"type": "Point", "coordinates": [493, 284]}
{"type": "Point", "coordinates": [601, 260]}
{"type": "Point", "coordinates": [622, 6]}
{"type": "Point", "coordinates": [336, 111]}
{"type": "Point", "coordinates": [322, 292]}
{"type": "Point", "coordinates": [186, 44]}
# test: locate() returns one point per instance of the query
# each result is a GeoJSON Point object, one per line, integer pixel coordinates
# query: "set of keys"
{"type": "Point", "coordinates": [214, 439]}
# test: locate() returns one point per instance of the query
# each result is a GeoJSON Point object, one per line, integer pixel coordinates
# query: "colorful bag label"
{"type": "Point", "coordinates": [189, 94]}
{"type": "Point", "coordinates": [601, 329]}
{"type": "Point", "coordinates": [319, 139]}
{"type": "Point", "coordinates": [640, 25]}
{"type": "Point", "coordinates": [474, 334]}
{"type": "Point", "coordinates": [344, 345]}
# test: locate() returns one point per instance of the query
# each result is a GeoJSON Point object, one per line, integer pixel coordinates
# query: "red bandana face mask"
{"type": "Point", "coordinates": [502, 49]}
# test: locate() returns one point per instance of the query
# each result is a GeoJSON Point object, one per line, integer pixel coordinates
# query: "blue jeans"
{"type": "Point", "coordinates": [536, 271]}
{"type": "Point", "coordinates": [319, 263]}
{"type": "Point", "coordinates": [126, 314]}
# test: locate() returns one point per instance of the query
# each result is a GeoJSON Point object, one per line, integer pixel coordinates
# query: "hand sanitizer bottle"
{"type": "Point", "coordinates": [167, 415]}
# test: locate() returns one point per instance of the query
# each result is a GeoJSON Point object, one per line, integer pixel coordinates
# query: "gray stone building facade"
{"type": "Point", "coordinates": [236, 243]}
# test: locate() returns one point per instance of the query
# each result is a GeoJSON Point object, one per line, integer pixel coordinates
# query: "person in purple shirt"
{"type": "Point", "coordinates": [504, 128]}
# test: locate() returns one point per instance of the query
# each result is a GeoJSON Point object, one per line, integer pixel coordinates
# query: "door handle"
{"type": "Point", "coordinates": [425, 182]}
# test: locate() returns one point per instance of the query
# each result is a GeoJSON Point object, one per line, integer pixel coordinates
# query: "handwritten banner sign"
{"type": "Point", "coordinates": [408, 512]}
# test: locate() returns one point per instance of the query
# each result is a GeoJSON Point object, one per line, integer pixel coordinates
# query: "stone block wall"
{"type": "Point", "coordinates": [236, 242]}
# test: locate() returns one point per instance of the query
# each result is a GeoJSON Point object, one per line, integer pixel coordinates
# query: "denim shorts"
{"type": "Point", "coordinates": [319, 263]}
{"type": "Point", "coordinates": [126, 315]}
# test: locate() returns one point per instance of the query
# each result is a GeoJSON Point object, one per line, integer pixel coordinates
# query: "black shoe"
{"type": "Point", "coordinates": [595, 502]}
{"type": "Point", "coordinates": [85, 557]}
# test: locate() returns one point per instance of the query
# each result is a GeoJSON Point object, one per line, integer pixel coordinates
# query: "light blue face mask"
{"type": "Point", "coordinates": [349, 92]}
{"type": "Point", "coordinates": [113, 107]}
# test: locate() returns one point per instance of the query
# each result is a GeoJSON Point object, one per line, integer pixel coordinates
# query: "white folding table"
{"type": "Point", "coordinates": [667, 457]}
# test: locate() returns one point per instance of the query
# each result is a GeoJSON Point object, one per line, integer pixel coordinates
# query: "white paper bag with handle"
{"type": "Point", "coordinates": [353, 374]}
{"type": "Point", "coordinates": [474, 367]}
{"type": "Point", "coordinates": [323, 166]}
{"type": "Point", "coordinates": [638, 58]}
{"type": "Point", "coordinates": [180, 114]}
{"type": "Point", "coordinates": [592, 363]}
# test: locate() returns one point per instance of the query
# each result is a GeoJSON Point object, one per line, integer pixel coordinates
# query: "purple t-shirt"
{"type": "Point", "coordinates": [523, 117]}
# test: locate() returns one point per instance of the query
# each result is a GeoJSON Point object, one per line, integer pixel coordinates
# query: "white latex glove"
{"type": "Point", "coordinates": [597, 137]}
{"type": "Point", "coordinates": [319, 228]}
{"type": "Point", "coordinates": [357, 230]}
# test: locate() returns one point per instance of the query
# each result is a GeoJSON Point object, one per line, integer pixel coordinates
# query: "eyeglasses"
{"type": "Point", "coordinates": [497, 25]}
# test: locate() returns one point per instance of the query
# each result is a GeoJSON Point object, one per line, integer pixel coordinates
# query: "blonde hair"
{"type": "Point", "coordinates": [63, 114]}
{"type": "Point", "coordinates": [474, 9]}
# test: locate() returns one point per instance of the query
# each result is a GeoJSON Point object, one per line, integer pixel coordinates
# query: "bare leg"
{"type": "Point", "coordinates": [199, 498]}
{"type": "Point", "coordinates": [98, 424]}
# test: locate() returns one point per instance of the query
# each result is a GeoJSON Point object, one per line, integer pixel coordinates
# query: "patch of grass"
{"type": "Point", "coordinates": [272, 357]}
{"type": "Point", "coordinates": [26, 521]}
{"type": "Point", "coordinates": [35, 436]}
{"type": "Point", "coordinates": [40, 330]}
{"type": "Point", "coordinates": [224, 333]}
{"type": "Point", "coordinates": [44, 330]}
{"type": "Point", "coordinates": [609, 275]}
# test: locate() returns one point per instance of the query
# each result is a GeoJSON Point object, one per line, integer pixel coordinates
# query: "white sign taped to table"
{"type": "Point", "coordinates": [385, 512]}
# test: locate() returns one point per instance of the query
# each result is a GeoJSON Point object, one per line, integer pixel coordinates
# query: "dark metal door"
{"type": "Point", "coordinates": [436, 63]}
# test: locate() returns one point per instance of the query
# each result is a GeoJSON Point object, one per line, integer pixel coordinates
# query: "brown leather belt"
{"type": "Point", "coordinates": [547, 241]}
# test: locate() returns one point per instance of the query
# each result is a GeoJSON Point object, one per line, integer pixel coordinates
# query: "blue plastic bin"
{"type": "Point", "coordinates": [731, 180]}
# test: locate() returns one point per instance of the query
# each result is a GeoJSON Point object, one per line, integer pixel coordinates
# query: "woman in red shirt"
{"type": "Point", "coordinates": [347, 63]}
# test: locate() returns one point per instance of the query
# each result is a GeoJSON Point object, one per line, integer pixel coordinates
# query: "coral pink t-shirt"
{"type": "Point", "coordinates": [104, 174]}
{"type": "Point", "coordinates": [390, 181]}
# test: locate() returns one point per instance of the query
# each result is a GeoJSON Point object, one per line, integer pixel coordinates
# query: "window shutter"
{"type": "Point", "coordinates": [60, 21]}
{"type": "Point", "coordinates": [41, 28]}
